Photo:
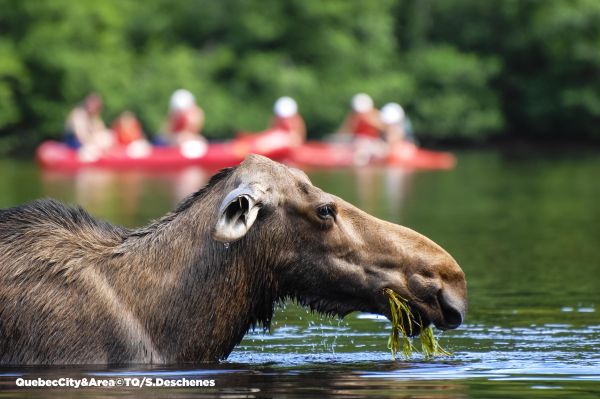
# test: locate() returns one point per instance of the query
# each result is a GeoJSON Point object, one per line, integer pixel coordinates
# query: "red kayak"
{"type": "Point", "coordinates": [272, 144]}
{"type": "Point", "coordinates": [410, 156]}
{"type": "Point", "coordinates": [322, 155]}
{"type": "Point", "coordinates": [56, 155]}
{"type": "Point", "coordinates": [341, 155]}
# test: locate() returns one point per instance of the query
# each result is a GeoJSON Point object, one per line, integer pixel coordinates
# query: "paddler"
{"type": "Point", "coordinates": [185, 123]}
{"type": "Point", "coordinates": [85, 130]}
{"type": "Point", "coordinates": [130, 136]}
{"type": "Point", "coordinates": [397, 126]}
{"type": "Point", "coordinates": [365, 125]}
{"type": "Point", "coordinates": [363, 120]}
{"type": "Point", "coordinates": [287, 118]}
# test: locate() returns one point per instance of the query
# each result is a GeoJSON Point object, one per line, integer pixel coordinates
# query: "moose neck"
{"type": "Point", "coordinates": [199, 296]}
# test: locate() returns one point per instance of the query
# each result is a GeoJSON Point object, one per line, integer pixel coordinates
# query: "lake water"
{"type": "Point", "coordinates": [525, 229]}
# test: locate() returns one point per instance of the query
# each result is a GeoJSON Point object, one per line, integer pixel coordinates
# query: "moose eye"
{"type": "Point", "coordinates": [326, 212]}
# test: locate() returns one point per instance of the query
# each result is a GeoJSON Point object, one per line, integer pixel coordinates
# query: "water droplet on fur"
{"type": "Point", "coordinates": [226, 245]}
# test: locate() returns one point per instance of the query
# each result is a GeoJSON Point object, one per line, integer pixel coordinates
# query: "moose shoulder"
{"type": "Point", "coordinates": [187, 287]}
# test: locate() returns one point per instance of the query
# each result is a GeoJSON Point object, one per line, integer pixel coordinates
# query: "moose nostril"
{"type": "Point", "coordinates": [452, 310]}
{"type": "Point", "coordinates": [428, 274]}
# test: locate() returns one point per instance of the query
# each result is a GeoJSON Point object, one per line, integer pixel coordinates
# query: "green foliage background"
{"type": "Point", "coordinates": [463, 69]}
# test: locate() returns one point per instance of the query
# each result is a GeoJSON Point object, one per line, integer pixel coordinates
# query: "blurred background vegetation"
{"type": "Point", "coordinates": [465, 70]}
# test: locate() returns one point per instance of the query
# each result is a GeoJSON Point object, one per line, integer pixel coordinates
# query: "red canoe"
{"type": "Point", "coordinates": [341, 155]}
{"type": "Point", "coordinates": [55, 155]}
{"type": "Point", "coordinates": [272, 143]}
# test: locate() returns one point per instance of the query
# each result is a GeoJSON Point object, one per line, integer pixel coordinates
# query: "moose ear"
{"type": "Point", "coordinates": [237, 213]}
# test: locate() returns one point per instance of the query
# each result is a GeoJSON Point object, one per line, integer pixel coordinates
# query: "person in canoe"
{"type": "Point", "coordinates": [287, 118]}
{"type": "Point", "coordinates": [363, 119]}
{"type": "Point", "coordinates": [130, 136]}
{"type": "Point", "coordinates": [286, 130]}
{"type": "Point", "coordinates": [398, 131]}
{"type": "Point", "coordinates": [397, 127]}
{"type": "Point", "coordinates": [85, 130]}
{"type": "Point", "coordinates": [185, 123]}
{"type": "Point", "coordinates": [365, 126]}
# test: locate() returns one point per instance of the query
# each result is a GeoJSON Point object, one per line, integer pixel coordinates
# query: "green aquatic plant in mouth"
{"type": "Point", "coordinates": [400, 337]}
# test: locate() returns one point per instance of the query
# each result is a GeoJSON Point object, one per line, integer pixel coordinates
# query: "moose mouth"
{"type": "Point", "coordinates": [416, 320]}
{"type": "Point", "coordinates": [414, 315]}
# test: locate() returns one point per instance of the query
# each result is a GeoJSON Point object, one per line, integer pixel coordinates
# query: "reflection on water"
{"type": "Point", "coordinates": [376, 186]}
{"type": "Point", "coordinates": [122, 196]}
{"type": "Point", "coordinates": [524, 229]}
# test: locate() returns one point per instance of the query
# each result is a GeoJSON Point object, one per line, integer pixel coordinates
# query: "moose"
{"type": "Point", "coordinates": [188, 286]}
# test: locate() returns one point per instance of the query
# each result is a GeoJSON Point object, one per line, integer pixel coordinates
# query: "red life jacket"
{"type": "Point", "coordinates": [185, 120]}
{"type": "Point", "coordinates": [360, 126]}
{"type": "Point", "coordinates": [127, 131]}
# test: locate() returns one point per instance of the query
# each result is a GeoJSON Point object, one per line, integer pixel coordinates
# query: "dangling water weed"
{"type": "Point", "coordinates": [403, 319]}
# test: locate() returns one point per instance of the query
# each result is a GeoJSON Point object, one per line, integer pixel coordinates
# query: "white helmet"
{"type": "Point", "coordinates": [392, 113]}
{"type": "Point", "coordinates": [285, 107]}
{"type": "Point", "coordinates": [181, 99]}
{"type": "Point", "coordinates": [362, 102]}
